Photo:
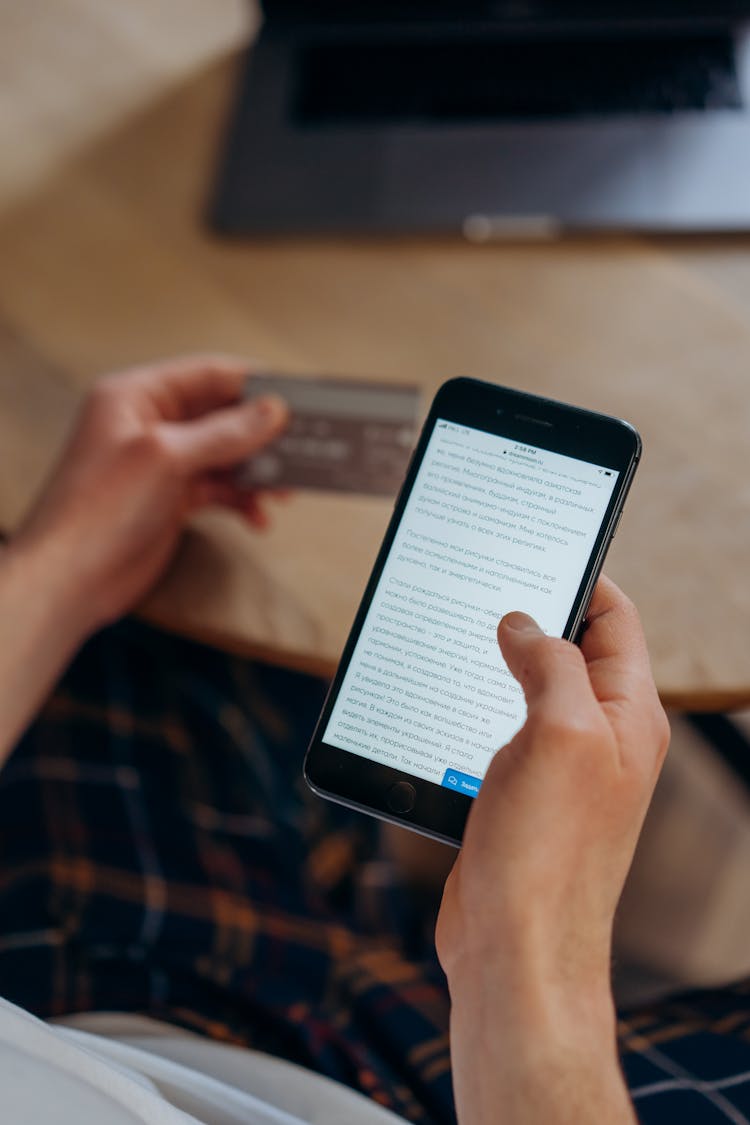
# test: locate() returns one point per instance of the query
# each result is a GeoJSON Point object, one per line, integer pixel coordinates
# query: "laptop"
{"type": "Point", "coordinates": [491, 117]}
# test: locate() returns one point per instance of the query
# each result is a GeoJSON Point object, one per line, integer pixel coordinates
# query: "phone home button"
{"type": "Point", "coordinates": [401, 797]}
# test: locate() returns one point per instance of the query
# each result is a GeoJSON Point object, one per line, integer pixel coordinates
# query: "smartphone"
{"type": "Point", "coordinates": [510, 502]}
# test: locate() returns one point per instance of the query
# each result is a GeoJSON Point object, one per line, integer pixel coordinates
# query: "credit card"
{"type": "Point", "coordinates": [343, 435]}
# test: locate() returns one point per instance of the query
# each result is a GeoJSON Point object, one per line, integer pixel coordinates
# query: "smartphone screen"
{"type": "Point", "coordinates": [510, 503]}
{"type": "Point", "coordinates": [491, 525]}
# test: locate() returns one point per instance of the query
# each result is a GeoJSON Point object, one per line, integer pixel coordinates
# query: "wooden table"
{"type": "Point", "coordinates": [105, 260]}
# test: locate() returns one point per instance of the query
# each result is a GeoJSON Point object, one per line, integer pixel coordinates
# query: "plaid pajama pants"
{"type": "Point", "coordinates": [160, 853]}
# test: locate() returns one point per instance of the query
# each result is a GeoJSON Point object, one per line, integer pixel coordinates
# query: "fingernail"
{"type": "Point", "coordinates": [270, 407]}
{"type": "Point", "coordinates": [520, 623]}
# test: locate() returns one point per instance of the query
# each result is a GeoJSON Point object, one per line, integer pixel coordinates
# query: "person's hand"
{"type": "Point", "coordinates": [525, 926]}
{"type": "Point", "coordinates": [150, 446]}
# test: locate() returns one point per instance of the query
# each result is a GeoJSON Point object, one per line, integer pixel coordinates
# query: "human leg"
{"type": "Point", "coordinates": [160, 853]}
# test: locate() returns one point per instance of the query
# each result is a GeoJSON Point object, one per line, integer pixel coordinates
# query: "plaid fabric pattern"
{"type": "Point", "coordinates": [160, 853]}
{"type": "Point", "coordinates": [687, 1059]}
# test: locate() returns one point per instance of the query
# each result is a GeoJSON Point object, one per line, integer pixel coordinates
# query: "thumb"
{"type": "Point", "coordinates": [223, 438]}
{"type": "Point", "coordinates": [552, 672]}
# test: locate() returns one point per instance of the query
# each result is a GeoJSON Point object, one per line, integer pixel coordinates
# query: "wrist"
{"type": "Point", "coordinates": [42, 569]}
{"type": "Point", "coordinates": [536, 959]}
{"type": "Point", "coordinates": [536, 1000]}
{"type": "Point", "coordinates": [44, 620]}
{"type": "Point", "coordinates": [526, 1043]}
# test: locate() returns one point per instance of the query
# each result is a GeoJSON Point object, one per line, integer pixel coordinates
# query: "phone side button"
{"type": "Point", "coordinates": [617, 524]}
{"type": "Point", "coordinates": [401, 797]}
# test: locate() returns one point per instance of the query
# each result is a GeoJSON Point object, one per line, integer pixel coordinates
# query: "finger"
{"type": "Point", "coordinates": [188, 386]}
{"type": "Point", "coordinates": [209, 492]}
{"type": "Point", "coordinates": [226, 437]}
{"type": "Point", "coordinates": [551, 672]}
{"type": "Point", "coordinates": [223, 487]}
{"type": "Point", "coordinates": [614, 645]}
{"type": "Point", "coordinates": [255, 514]}
{"type": "Point", "coordinates": [250, 506]}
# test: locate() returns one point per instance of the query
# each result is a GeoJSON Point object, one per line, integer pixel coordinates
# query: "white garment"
{"type": "Point", "coordinates": [101, 1069]}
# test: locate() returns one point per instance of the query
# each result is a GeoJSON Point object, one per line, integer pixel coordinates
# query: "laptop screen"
{"type": "Point", "coordinates": [513, 12]}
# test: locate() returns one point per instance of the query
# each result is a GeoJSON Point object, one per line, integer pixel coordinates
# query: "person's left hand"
{"type": "Point", "coordinates": [150, 446]}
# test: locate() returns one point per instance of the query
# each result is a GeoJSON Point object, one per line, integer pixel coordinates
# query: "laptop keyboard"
{"type": "Point", "coordinates": [520, 79]}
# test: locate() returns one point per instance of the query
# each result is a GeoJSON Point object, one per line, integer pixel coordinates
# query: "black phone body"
{"type": "Point", "coordinates": [510, 502]}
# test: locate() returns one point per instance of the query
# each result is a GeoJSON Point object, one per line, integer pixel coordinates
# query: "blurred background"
{"type": "Point", "coordinates": [551, 195]}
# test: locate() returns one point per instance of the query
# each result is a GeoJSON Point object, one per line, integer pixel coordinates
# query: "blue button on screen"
{"type": "Point", "coordinates": [462, 782]}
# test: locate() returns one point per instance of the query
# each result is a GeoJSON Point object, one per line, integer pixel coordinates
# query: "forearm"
{"type": "Point", "coordinates": [150, 447]}
{"type": "Point", "coordinates": [534, 1053]}
{"type": "Point", "coordinates": [42, 623]}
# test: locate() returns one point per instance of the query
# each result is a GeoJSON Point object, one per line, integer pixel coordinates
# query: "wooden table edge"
{"type": "Point", "coordinates": [699, 699]}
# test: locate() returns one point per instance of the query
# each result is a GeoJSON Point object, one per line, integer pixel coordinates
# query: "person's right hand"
{"type": "Point", "coordinates": [525, 927]}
